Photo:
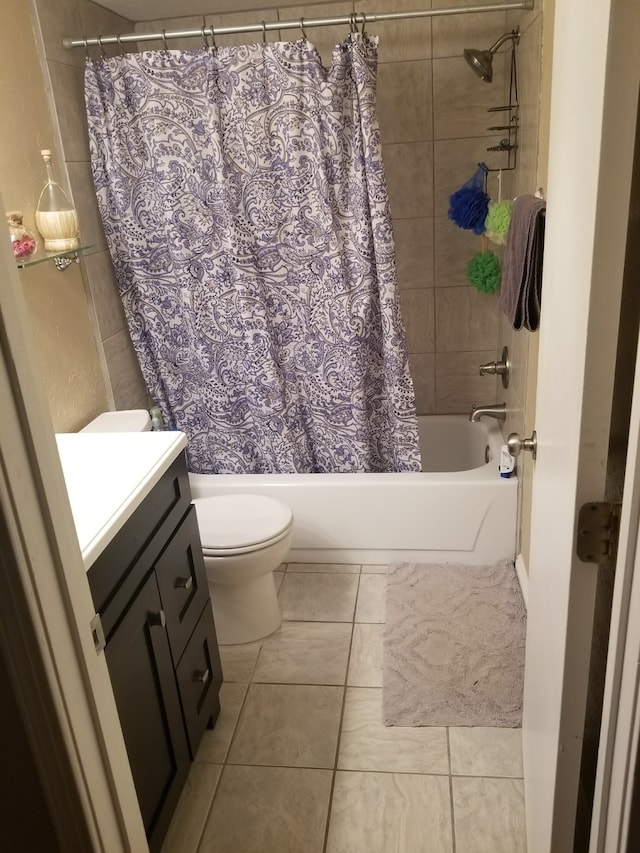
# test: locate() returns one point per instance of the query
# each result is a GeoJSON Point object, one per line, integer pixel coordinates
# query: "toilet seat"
{"type": "Point", "coordinates": [240, 524]}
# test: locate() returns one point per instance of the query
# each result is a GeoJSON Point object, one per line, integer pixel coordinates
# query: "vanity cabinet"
{"type": "Point", "coordinates": [150, 589]}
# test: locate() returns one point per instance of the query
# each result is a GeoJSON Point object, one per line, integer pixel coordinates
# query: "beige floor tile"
{"type": "Point", "coordinates": [486, 752]}
{"type": "Point", "coordinates": [305, 653]}
{"type": "Point", "coordinates": [390, 813]}
{"type": "Point", "coordinates": [277, 579]}
{"type": "Point", "coordinates": [371, 598]}
{"type": "Point", "coordinates": [318, 597]}
{"type": "Point", "coordinates": [367, 744]}
{"type": "Point", "coordinates": [365, 662]}
{"type": "Point", "coordinates": [288, 725]}
{"type": "Point", "coordinates": [193, 807]}
{"type": "Point", "coordinates": [215, 742]}
{"type": "Point", "coordinates": [489, 815]}
{"type": "Point", "coordinates": [330, 568]}
{"type": "Point", "coordinates": [268, 810]}
{"type": "Point", "coordinates": [375, 569]}
{"type": "Point", "coordinates": [238, 662]}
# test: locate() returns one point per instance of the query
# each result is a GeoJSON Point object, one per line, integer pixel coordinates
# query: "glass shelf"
{"type": "Point", "coordinates": [60, 259]}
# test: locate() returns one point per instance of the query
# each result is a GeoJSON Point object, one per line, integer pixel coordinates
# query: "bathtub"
{"type": "Point", "coordinates": [458, 509]}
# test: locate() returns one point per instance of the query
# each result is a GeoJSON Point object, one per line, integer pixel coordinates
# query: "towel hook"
{"type": "Point", "coordinates": [304, 35]}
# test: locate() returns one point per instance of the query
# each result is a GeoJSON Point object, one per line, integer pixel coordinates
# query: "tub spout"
{"type": "Point", "coordinates": [497, 410]}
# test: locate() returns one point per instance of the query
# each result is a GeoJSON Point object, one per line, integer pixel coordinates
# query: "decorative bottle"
{"type": "Point", "coordinates": [23, 241]}
{"type": "Point", "coordinates": [56, 217]}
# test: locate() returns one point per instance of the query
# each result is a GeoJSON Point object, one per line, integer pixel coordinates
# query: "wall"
{"type": "Point", "coordinates": [66, 351]}
{"type": "Point", "coordinates": [64, 72]}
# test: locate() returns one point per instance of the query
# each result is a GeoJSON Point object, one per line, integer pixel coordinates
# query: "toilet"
{"type": "Point", "coordinates": [244, 538]}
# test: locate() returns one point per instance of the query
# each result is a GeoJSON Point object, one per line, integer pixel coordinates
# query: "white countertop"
{"type": "Point", "coordinates": [108, 475]}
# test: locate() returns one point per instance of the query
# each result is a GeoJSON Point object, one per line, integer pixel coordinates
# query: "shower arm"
{"type": "Point", "coordinates": [515, 36]}
{"type": "Point", "coordinates": [353, 20]}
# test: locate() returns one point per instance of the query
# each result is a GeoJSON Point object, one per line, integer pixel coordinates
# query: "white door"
{"type": "Point", "coordinates": [596, 74]}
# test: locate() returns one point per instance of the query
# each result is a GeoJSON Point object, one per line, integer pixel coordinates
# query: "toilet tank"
{"type": "Point", "coordinates": [130, 420]}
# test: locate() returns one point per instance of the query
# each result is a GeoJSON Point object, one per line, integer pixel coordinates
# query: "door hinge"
{"type": "Point", "coordinates": [598, 527]}
{"type": "Point", "coordinates": [97, 633]}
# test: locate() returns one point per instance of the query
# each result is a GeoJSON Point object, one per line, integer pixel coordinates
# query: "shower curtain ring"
{"type": "Point", "coordinates": [121, 46]}
{"type": "Point", "coordinates": [364, 23]}
{"type": "Point", "coordinates": [86, 49]}
{"type": "Point", "coordinates": [101, 45]}
{"type": "Point", "coordinates": [264, 33]}
{"type": "Point", "coordinates": [304, 35]}
{"type": "Point", "coordinates": [352, 22]}
{"type": "Point", "coordinates": [204, 38]}
{"type": "Point", "coordinates": [164, 39]}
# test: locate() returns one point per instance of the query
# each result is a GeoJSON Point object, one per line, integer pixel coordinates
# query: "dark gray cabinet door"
{"type": "Point", "coordinates": [145, 689]}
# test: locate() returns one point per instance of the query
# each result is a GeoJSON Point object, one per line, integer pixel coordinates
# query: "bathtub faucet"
{"type": "Point", "coordinates": [498, 410]}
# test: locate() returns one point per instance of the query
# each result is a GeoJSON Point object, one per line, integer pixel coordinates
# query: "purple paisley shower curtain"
{"type": "Point", "coordinates": [246, 213]}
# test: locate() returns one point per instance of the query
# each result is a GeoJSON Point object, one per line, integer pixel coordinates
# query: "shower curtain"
{"type": "Point", "coordinates": [246, 213]}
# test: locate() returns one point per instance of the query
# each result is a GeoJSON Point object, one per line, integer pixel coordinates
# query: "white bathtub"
{"type": "Point", "coordinates": [458, 509]}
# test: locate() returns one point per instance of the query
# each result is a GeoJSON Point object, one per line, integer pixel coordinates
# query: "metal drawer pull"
{"type": "Point", "coordinates": [158, 619]}
{"type": "Point", "coordinates": [202, 676]}
{"type": "Point", "coordinates": [183, 583]}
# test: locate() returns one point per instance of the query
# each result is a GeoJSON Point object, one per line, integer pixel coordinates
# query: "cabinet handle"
{"type": "Point", "coordinates": [158, 619]}
{"type": "Point", "coordinates": [202, 676]}
{"type": "Point", "coordinates": [183, 583]}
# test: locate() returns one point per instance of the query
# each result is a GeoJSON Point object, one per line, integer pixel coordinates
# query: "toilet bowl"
{"type": "Point", "coordinates": [244, 538]}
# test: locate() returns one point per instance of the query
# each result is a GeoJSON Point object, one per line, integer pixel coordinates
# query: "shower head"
{"type": "Point", "coordinates": [482, 60]}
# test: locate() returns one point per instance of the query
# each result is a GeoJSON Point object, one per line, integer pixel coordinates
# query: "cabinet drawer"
{"type": "Point", "coordinates": [199, 678]}
{"type": "Point", "coordinates": [183, 583]}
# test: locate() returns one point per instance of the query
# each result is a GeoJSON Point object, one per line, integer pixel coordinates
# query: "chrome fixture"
{"type": "Point", "coordinates": [497, 410]}
{"type": "Point", "coordinates": [516, 445]}
{"type": "Point", "coordinates": [359, 18]}
{"type": "Point", "coordinates": [498, 368]}
{"type": "Point", "coordinates": [481, 61]}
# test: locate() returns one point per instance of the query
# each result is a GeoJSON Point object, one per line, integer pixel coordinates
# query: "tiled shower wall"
{"type": "Point", "coordinates": [77, 18]}
{"type": "Point", "coordinates": [433, 119]}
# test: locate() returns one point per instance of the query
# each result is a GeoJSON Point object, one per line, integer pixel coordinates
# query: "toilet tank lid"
{"type": "Point", "coordinates": [131, 420]}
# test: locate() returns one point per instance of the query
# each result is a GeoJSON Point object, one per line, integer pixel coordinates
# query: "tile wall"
{"type": "Point", "coordinates": [77, 18]}
{"type": "Point", "coordinates": [433, 121]}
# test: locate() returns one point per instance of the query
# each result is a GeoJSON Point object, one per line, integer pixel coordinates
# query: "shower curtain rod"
{"type": "Point", "coordinates": [359, 18]}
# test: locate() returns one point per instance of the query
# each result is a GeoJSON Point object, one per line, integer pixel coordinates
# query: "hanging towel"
{"type": "Point", "coordinates": [521, 291]}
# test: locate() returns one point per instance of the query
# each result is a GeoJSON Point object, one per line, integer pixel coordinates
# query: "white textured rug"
{"type": "Point", "coordinates": [453, 646]}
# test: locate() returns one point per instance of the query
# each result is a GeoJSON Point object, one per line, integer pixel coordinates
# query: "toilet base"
{"type": "Point", "coordinates": [245, 613]}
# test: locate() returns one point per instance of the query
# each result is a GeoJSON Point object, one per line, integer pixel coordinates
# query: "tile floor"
{"type": "Point", "coordinates": [299, 761]}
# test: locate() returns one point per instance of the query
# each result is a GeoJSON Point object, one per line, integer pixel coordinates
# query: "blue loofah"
{"type": "Point", "coordinates": [469, 205]}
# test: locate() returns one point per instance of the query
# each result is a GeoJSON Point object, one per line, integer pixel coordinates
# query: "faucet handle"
{"type": "Point", "coordinates": [498, 368]}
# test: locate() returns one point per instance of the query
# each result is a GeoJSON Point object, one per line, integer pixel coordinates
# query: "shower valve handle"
{"type": "Point", "coordinates": [498, 368]}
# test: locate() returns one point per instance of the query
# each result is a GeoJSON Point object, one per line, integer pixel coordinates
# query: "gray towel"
{"type": "Point", "coordinates": [521, 289]}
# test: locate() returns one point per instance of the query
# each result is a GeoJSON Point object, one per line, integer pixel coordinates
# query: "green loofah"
{"type": "Point", "coordinates": [483, 271]}
{"type": "Point", "coordinates": [497, 222]}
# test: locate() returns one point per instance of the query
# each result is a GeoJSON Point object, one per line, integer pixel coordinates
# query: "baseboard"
{"type": "Point", "coordinates": [523, 578]}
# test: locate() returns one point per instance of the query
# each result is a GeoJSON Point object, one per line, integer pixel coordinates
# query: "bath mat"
{"type": "Point", "coordinates": [453, 646]}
